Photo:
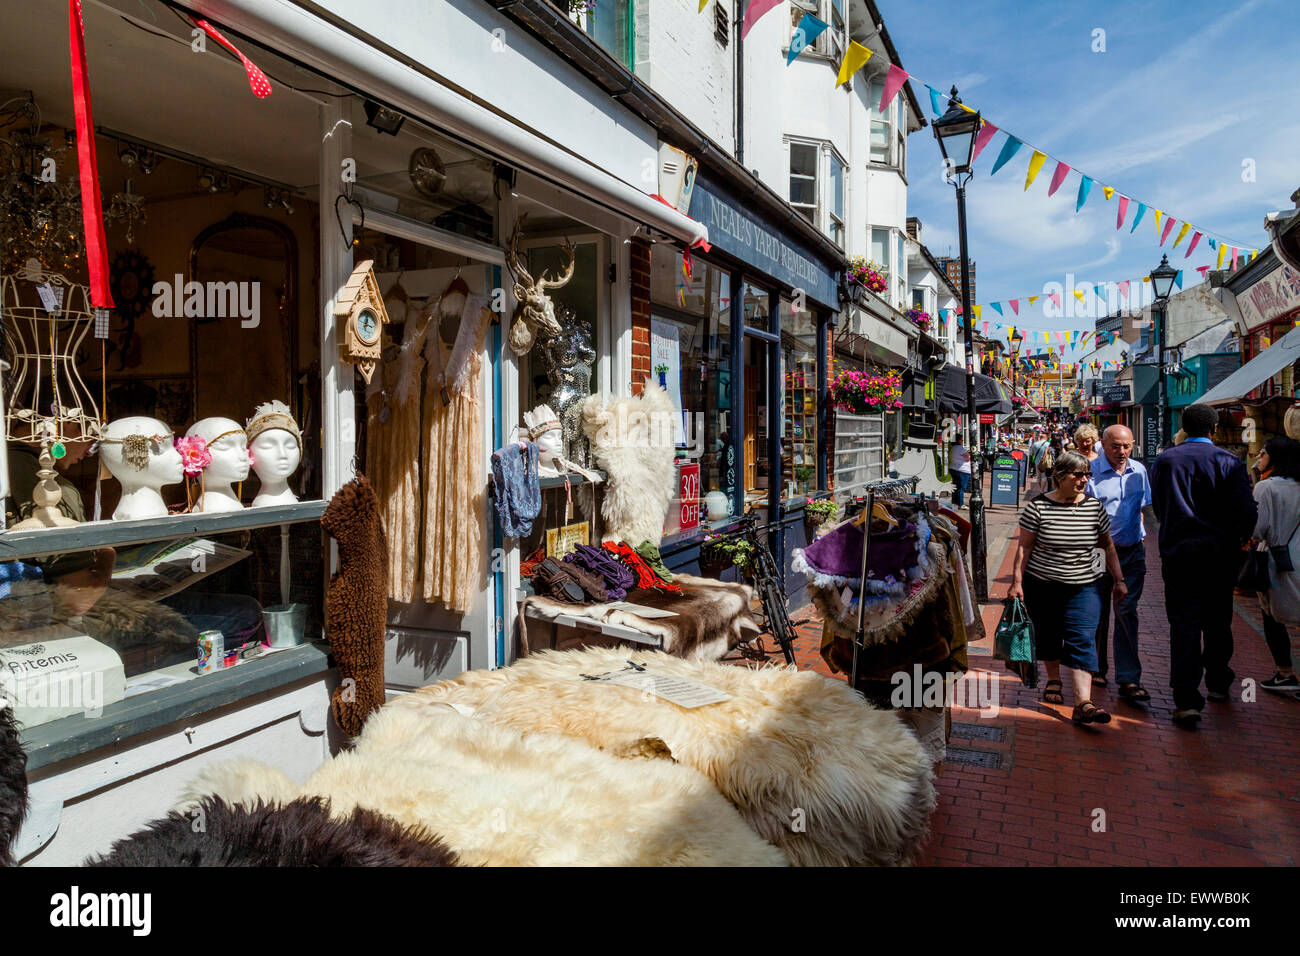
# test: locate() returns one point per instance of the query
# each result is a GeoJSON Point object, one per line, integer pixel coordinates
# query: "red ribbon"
{"type": "Point", "coordinates": [92, 209]}
{"type": "Point", "coordinates": [256, 78]}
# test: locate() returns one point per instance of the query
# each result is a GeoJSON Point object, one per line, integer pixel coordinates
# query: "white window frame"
{"type": "Point", "coordinates": [817, 177]}
{"type": "Point", "coordinates": [832, 42]}
{"type": "Point", "coordinates": [823, 218]}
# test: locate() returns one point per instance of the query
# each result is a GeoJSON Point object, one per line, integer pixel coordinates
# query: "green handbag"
{"type": "Point", "coordinates": [1014, 643]}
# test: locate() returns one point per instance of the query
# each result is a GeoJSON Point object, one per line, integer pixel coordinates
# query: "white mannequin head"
{"type": "Point", "coordinates": [275, 446]}
{"type": "Point", "coordinates": [228, 446]}
{"type": "Point", "coordinates": [139, 453]}
{"type": "Point", "coordinates": [543, 429]}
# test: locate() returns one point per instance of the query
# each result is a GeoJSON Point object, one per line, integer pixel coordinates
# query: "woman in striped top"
{"type": "Point", "coordinates": [1056, 574]}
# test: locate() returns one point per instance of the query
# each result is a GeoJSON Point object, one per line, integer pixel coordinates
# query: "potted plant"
{"type": "Point", "coordinates": [867, 274]}
{"type": "Point", "coordinates": [864, 393]}
{"type": "Point", "coordinates": [718, 552]}
{"type": "Point", "coordinates": [817, 512]}
{"type": "Point", "coordinates": [920, 318]}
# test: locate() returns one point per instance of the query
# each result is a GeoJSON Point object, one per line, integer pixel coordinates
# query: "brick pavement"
{"type": "Point", "coordinates": [1225, 794]}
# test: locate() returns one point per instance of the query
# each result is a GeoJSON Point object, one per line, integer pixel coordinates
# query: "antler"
{"type": "Point", "coordinates": [548, 283]}
{"type": "Point", "coordinates": [512, 255]}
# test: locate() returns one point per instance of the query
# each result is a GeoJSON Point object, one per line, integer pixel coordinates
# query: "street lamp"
{"type": "Point", "coordinates": [956, 131]}
{"type": "Point", "coordinates": [1162, 284]}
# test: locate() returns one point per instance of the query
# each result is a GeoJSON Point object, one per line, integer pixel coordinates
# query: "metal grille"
{"type": "Point", "coordinates": [721, 26]}
{"type": "Point", "coordinates": [978, 731]}
{"type": "Point", "coordinates": [975, 758]}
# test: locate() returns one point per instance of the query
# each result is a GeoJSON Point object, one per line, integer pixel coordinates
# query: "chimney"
{"type": "Point", "coordinates": [914, 229]}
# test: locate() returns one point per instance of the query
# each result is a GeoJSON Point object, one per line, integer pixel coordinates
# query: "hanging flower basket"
{"type": "Point", "coordinates": [865, 393]}
{"type": "Point", "coordinates": [817, 512]}
{"type": "Point", "coordinates": [867, 274]}
{"type": "Point", "coordinates": [920, 318]}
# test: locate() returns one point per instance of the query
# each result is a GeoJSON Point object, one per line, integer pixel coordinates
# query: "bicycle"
{"type": "Point", "coordinates": [771, 590]}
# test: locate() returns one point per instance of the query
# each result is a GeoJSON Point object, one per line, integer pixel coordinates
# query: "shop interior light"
{"type": "Point", "coordinates": [383, 119]}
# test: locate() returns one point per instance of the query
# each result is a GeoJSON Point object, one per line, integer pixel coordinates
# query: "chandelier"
{"type": "Point", "coordinates": [40, 217]}
{"type": "Point", "coordinates": [127, 209]}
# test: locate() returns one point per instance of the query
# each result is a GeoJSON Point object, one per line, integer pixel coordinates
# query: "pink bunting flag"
{"type": "Point", "coordinates": [1202, 270]}
{"type": "Point", "coordinates": [1015, 306]}
{"type": "Point", "coordinates": [986, 328]}
{"type": "Point", "coordinates": [1195, 239]}
{"type": "Point", "coordinates": [1056, 299]}
{"type": "Point", "coordinates": [1058, 177]}
{"type": "Point", "coordinates": [894, 81]}
{"type": "Point", "coordinates": [1169, 226]}
{"type": "Point", "coordinates": [1234, 258]}
{"type": "Point", "coordinates": [1123, 211]}
{"type": "Point", "coordinates": [982, 139]}
{"type": "Point", "coordinates": [754, 11]}
{"type": "Point", "coordinates": [1123, 289]}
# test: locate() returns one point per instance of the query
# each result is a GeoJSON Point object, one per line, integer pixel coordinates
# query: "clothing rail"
{"type": "Point", "coordinates": [888, 488]}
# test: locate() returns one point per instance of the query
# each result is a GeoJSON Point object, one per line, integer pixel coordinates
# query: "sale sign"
{"type": "Point", "coordinates": [689, 492]}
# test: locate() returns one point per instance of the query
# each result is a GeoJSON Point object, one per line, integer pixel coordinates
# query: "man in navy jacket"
{"type": "Point", "coordinates": [1206, 511]}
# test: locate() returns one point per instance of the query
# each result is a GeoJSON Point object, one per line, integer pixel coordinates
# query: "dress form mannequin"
{"type": "Point", "coordinates": [139, 453]}
{"type": "Point", "coordinates": [275, 447]}
{"type": "Point", "coordinates": [228, 446]}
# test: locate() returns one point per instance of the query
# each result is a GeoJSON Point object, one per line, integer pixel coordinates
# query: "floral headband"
{"type": "Point", "coordinates": [196, 451]}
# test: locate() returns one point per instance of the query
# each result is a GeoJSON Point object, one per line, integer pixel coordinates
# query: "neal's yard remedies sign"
{"type": "Point", "coordinates": [763, 245]}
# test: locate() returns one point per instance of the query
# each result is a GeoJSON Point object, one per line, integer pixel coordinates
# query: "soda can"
{"type": "Point", "coordinates": [212, 645]}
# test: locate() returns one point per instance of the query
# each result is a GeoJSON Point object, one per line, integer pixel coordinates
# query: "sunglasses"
{"type": "Point", "coordinates": [1079, 474]}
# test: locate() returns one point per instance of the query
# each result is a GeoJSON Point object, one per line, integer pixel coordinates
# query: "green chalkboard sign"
{"type": "Point", "coordinates": [1006, 485]}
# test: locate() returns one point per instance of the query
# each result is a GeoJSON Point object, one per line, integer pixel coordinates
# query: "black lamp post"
{"type": "Point", "coordinates": [1162, 284]}
{"type": "Point", "coordinates": [956, 131]}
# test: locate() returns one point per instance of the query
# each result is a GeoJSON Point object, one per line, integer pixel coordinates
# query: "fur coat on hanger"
{"type": "Point", "coordinates": [356, 607]}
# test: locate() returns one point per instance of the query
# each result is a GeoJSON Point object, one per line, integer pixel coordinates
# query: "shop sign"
{"type": "Point", "coordinates": [986, 418]}
{"type": "Point", "coordinates": [1006, 484]}
{"type": "Point", "coordinates": [1152, 435]}
{"type": "Point", "coordinates": [1272, 297]}
{"type": "Point", "coordinates": [764, 246]}
{"type": "Point", "coordinates": [1006, 461]}
{"type": "Point", "coordinates": [1116, 393]}
{"type": "Point", "coordinates": [688, 490]}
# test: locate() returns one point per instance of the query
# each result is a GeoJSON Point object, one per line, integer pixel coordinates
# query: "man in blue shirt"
{"type": "Point", "coordinates": [1122, 486]}
{"type": "Point", "coordinates": [1206, 510]}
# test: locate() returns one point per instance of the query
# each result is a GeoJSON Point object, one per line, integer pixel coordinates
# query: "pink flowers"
{"type": "Point", "coordinates": [194, 454]}
{"type": "Point", "coordinates": [920, 318]}
{"type": "Point", "coordinates": [866, 273]}
{"type": "Point", "coordinates": [863, 392]}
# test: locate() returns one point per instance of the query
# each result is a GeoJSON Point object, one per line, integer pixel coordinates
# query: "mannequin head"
{"type": "Point", "coordinates": [139, 453]}
{"type": "Point", "coordinates": [543, 429]}
{"type": "Point", "coordinates": [228, 446]}
{"type": "Point", "coordinates": [275, 446]}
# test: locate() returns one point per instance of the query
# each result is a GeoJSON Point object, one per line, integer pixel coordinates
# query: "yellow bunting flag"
{"type": "Point", "coordinates": [854, 60]}
{"type": "Point", "coordinates": [1034, 298]}
{"type": "Point", "coordinates": [967, 109]}
{"type": "Point", "coordinates": [977, 313]}
{"type": "Point", "coordinates": [1254, 253]}
{"type": "Point", "coordinates": [1181, 232]}
{"type": "Point", "coordinates": [703, 4]}
{"type": "Point", "coordinates": [1222, 250]}
{"type": "Point", "coordinates": [1158, 215]}
{"type": "Point", "coordinates": [1078, 294]}
{"type": "Point", "coordinates": [1035, 164]}
{"type": "Point", "coordinates": [1109, 191]}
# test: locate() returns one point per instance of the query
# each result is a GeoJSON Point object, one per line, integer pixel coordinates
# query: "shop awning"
{"type": "Point", "coordinates": [1285, 351]}
{"type": "Point", "coordinates": [950, 391]}
{"type": "Point", "coordinates": [302, 35]}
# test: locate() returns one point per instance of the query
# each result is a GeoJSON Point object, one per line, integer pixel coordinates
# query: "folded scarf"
{"type": "Point", "coordinates": [618, 579]}
{"type": "Point", "coordinates": [645, 575]}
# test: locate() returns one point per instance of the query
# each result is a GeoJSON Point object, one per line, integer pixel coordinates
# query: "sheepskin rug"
{"type": "Point", "coordinates": [632, 442]}
{"type": "Point", "coordinates": [811, 766]}
{"type": "Point", "coordinates": [499, 798]}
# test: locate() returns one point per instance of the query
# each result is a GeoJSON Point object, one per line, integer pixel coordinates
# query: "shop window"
{"type": "Point", "coordinates": [579, 307]}
{"type": "Point", "coordinates": [799, 447]}
{"type": "Point", "coordinates": [690, 346]}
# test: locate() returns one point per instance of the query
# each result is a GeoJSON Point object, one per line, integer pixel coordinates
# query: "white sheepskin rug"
{"type": "Point", "coordinates": [811, 766]}
{"type": "Point", "coordinates": [632, 442]}
{"type": "Point", "coordinates": [500, 798]}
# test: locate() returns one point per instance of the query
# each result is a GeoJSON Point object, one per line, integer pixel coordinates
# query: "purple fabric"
{"type": "Point", "coordinates": [838, 553]}
{"type": "Point", "coordinates": [618, 578]}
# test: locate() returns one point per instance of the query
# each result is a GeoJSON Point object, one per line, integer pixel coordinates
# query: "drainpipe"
{"type": "Point", "coordinates": [740, 85]}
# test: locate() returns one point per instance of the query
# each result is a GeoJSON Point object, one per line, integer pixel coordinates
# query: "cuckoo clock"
{"type": "Point", "coordinates": [361, 316]}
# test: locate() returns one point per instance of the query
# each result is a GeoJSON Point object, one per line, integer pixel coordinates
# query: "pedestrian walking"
{"type": "Point", "coordinates": [1056, 573]}
{"type": "Point", "coordinates": [1277, 495]}
{"type": "Point", "coordinates": [1123, 487]}
{"type": "Point", "coordinates": [1085, 441]}
{"type": "Point", "coordinates": [1206, 512]}
{"type": "Point", "coordinates": [959, 465]}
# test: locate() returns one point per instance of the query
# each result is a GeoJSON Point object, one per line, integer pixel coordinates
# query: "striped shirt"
{"type": "Point", "coordinates": [1065, 537]}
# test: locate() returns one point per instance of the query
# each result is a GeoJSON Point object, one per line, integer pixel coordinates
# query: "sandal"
{"type": "Point", "coordinates": [1086, 712]}
{"type": "Point", "coordinates": [1099, 680]}
{"type": "Point", "coordinates": [1053, 696]}
{"type": "Point", "coordinates": [1135, 693]}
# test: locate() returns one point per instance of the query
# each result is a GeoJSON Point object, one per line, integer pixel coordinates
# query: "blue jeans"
{"type": "Point", "coordinates": [1133, 565]}
{"type": "Point", "coordinates": [962, 481]}
{"type": "Point", "coordinates": [1065, 621]}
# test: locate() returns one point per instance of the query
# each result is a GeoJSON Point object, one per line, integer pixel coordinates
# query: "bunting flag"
{"type": "Point", "coordinates": [1234, 258]}
{"type": "Point", "coordinates": [1195, 239]}
{"type": "Point", "coordinates": [997, 307]}
{"type": "Point", "coordinates": [1178, 279]}
{"type": "Point", "coordinates": [1015, 306]}
{"type": "Point", "coordinates": [1123, 211]}
{"type": "Point", "coordinates": [1169, 225]}
{"type": "Point", "coordinates": [1211, 243]}
{"type": "Point", "coordinates": [1142, 208]}
{"type": "Point", "coordinates": [1078, 294]}
{"type": "Point", "coordinates": [1123, 289]}
{"type": "Point", "coordinates": [256, 78]}
{"type": "Point", "coordinates": [805, 34]}
{"type": "Point", "coordinates": [854, 59]}
{"type": "Point", "coordinates": [1035, 298]}
{"type": "Point", "coordinates": [1009, 149]}
{"type": "Point", "coordinates": [754, 12]}
{"type": "Point", "coordinates": [92, 209]}
{"type": "Point", "coordinates": [894, 81]}
{"type": "Point", "coordinates": [1109, 191]}
{"type": "Point", "coordinates": [1181, 234]}
{"type": "Point", "coordinates": [977, 313]}
{"type": "Point", "coordinates": [1223, 250]}
{"type": "Point", "coordinates": [1202, 270]}
{"type": "Point", "coordinates": [934, 100]}
{"type": "Point", "coordinates": [982, 139]}
{"type": "Point", "coordinates": [1158, 215]}
{"type": "Point", "coordinates": [1085, 187]}
{"type": "Point", "coordinates": [703, 4]}
{"type": "Point", "coordinates": [1035, 164]}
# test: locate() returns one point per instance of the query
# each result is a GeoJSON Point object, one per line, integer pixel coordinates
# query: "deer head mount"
{"type": "Point", "coordinates": [535, 313]}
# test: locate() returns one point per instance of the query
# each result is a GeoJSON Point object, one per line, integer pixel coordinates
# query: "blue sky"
{"type": "Point", "coordinates": [1183, 95]}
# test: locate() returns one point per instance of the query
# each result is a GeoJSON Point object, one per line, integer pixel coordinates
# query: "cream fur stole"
{"type": "Point", "coordinates": [810, 765]}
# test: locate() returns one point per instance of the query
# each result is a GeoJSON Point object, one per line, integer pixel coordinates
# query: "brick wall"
{"type": "Point", "coordinates": [639, 261]}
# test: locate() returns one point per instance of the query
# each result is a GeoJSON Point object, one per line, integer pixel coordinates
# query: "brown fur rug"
{"type": "Point", "coordinates": [711, 617]}
{"type": "Point", "coordinates": [811, 766]}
